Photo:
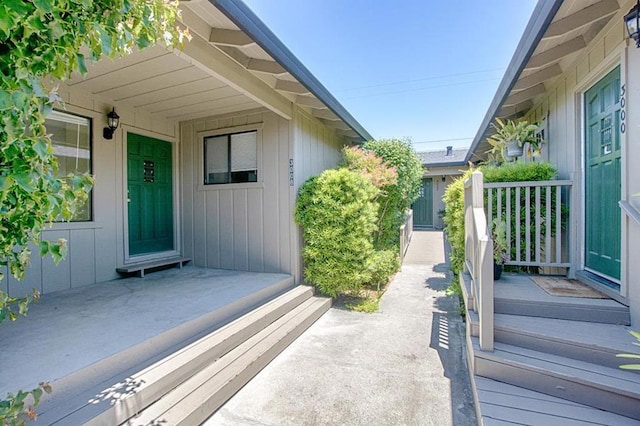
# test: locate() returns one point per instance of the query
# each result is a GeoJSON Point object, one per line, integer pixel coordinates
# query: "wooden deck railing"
{"type": "Point", "coordinates": [479, 257]}
{"type": "Point", "coordinates": [535, 218]}
{"type": "Point", "coordinates": [406, 231]}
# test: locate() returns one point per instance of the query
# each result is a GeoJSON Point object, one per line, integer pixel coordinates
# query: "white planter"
{"type": "Point", "coordinates": [514, 149]}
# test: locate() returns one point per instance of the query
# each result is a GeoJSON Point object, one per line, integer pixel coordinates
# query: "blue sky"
{"type": "Point", "coordinates": [412, 68]}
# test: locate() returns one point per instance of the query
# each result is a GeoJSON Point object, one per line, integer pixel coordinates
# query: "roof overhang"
{"type": "Point", "coordinates": [553, 38]}
{"type": "Point", "coordinates": [233, 63]}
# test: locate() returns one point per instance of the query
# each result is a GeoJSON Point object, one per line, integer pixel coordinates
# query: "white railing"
{"type": "Point", "coordinates": [630, 211]}
{"type": "Point", "coordinates": [406, 231]}
{"type": "Point", "coordinates": [533, 214]}
{"type": "Point", "coordinates": [479, 257]}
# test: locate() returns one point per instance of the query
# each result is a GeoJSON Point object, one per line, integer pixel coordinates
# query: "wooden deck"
{"type": "Point", "coordinates": [554, 360]}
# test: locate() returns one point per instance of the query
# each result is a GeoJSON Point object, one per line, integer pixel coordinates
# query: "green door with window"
{"type": "Point", "coordinates": [423, 206]}
{"type": "Point", "coordinates": [603, 177]}
{"type": "Point", "coordinates": [150, 195]}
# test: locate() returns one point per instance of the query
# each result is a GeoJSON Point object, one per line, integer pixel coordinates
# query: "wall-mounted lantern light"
{"type": "Point", "coordinates": [632, 22]}
{"type": "Point", "coordinates": [113, 120]}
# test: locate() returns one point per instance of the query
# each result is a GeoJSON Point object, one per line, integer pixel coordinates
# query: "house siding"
{"type": "Point", "coordinates": [316, 148]}
{"type": "Point", "coordinates": [238, 226]}
{"type": "Point", "coordinates": [562, 106]}
{"type": "Point", "coordinates": [95, 248]}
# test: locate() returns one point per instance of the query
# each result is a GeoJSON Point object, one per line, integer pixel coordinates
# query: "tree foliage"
{"type": "Point", "coordinates": [398, 197]}
{"type": "Point", "coordinates": [43, 42]}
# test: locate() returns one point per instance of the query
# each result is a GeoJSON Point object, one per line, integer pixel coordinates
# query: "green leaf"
{"type": "Point", "coordinates": [45, 5]}
{"type": "Point", "coordinates": [24, 182]}
{"type": "Point", "coordinates": [3, 314]}
{"type": "Point", "coordinates": [630, 367]}
{"type": "Point", "coordinates": [82, 65]}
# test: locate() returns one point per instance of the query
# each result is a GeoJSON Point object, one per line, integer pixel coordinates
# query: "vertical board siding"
{"type": "Point", "coordinates": [241, 227]}
{"type": "Point", "coordinates": [82, 256]}
{"type": "Point", "coordinates": [317, 148]}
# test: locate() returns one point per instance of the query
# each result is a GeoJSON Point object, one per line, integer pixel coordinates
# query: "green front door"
{"type": "Point", "coordinates": [150, 195]}
{"type": "Point", "coordinates": [603, 177]}
{"type": "Point", "coordinates": [423, 206]}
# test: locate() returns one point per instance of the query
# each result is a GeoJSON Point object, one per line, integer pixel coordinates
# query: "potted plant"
{"type": "Point", "coordinates": [500, 246]}
{"type": "Point", "coordinates": [511, 136]}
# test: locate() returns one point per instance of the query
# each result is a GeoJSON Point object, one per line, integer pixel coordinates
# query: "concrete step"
{"type": "Point", "coordinates": [153, 382]}
{"type": "Point", "coordinates": [197, 398]}
{"type": "Point", "coordinates": [585, 341]}
{"type": "Point", "coordinates": [610, 389]}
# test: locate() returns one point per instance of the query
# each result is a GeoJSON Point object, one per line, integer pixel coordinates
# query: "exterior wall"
{"type": "Point", "coordinates": [95, 248]}
{"type": "Point", "coordinates": [562, 105]}
{"type": "Point", "coordinates": [316, 148]}
{"type": "Point", "coordinates": [244, 226]}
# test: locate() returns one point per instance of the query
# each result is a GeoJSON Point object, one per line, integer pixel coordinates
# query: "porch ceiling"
{"type": "Point", "coordinates": [222, 70]}
{"type": "Point", "coordinates": [162, 84]}
{"type": "Point", "coordinates": [573, 26]}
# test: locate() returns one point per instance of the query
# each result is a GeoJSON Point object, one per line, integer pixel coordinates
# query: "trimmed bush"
{"type": "Point", "coordinates": [397, 198]}
{"type": "Point", "coordinates": [338, 214]}
{"type": "Point", "coordinates": [454, 201]}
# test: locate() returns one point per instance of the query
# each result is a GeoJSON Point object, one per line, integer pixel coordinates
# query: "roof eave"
{"type": "Point", "coordinates": [541, 18]}
{"type": "Point", "coordinates": [240, 14]}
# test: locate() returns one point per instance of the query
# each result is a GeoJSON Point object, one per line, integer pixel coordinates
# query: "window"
{"type": "Point", "coordinates": [231, 158]}
{"type": "Point", "coordinates": [71, 139]}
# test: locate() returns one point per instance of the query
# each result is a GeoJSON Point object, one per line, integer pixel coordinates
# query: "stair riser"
{"type": "Point", "coordinates": [595, 355]}
{"type": "Point", "coordinates": [194, 405]}
{"type": "Point", "coordinates": [563, 311]}
{"type": "Point", "coordinates": [211, 406]}
{"type": "Point", "coordinates": [163, 377]}
{"type": "Point", "coordinates": [562, 387]}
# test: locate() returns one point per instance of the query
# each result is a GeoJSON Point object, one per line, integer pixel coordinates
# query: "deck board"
{"type": "Point", "coordinates": [503, 404]}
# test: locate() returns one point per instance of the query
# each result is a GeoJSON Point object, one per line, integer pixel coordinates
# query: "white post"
{"type": "Point", "coordinates": [485, 305]}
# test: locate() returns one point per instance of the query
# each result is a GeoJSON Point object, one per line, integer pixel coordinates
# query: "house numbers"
{"type": "Point", "coordinates": [149, 173]}
{"type": "Point", "coordinates": [291, 172]}
{"type": "Point", "coordinates": [623, 110]}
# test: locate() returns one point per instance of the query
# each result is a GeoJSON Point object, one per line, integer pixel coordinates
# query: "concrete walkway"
{"type": "Point", "coordinates": [403, 365]}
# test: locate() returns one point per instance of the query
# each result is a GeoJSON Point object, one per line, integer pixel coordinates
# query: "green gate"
{"type": "Point", "coordinates": [603, 177]}
{"type": "Point", "coordinates": [150, 195]}
{"type": "Point", "coordinates": [423, 206]}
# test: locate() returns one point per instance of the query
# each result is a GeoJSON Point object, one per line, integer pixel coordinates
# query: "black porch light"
{"type": "Point", "coordinates": [113, 120]}
{"type": "Point", "coordinates": [632, 22]}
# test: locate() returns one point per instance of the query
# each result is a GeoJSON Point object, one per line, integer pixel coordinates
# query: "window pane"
{"type": "Point", "coordinates": [244, 152]}
{"type": "Point", "coordinates": [216, 159]}
{"type": "Point", "coordinates": [70, 137]}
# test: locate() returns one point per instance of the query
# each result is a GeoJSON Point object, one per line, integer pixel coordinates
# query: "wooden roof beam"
{"type": "Point", "coordinates": [262, 65]}
{"type": "Point", "coordinates": [556, 53]}
{"type": "Point", "coordinates": [537, 77]}
{"type": "Point", "coordinates": [324, 114]}
{"type": "Point", "coordinates": [310, 101]}
{"type": "Point", "coordinates": [291, 87]}
{"type": "Point", "coordinates": [524, 95]}
{"type": "Point", "coordinates": [515, 110]}
{"type": "Point", "coordinates": [581, 18]}
{"type": "Point", "coordinates": [229, 37]}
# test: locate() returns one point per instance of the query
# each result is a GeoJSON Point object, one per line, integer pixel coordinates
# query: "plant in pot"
{"type": "Point", "coordinates": [500, 246]}
{"type": "Point", "coordinates": [511, 136]}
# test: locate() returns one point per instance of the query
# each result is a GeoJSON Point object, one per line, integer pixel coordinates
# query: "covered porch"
{"type": "Point", "coordinates": [85, 340]}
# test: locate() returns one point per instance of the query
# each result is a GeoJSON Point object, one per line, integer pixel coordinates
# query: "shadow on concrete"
{"type": "Point", "coordinates": [438, 283]}
{"type": "Point", "coordinates": [447, 338]}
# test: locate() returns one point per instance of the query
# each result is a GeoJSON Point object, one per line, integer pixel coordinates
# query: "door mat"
{"type": "Point", "coordinates": [558, 286]}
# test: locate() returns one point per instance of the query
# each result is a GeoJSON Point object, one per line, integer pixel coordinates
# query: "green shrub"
{"type": "Point", "coordinates": [338, 214]}
{"type": "Point", "coordinates": [512, 172]}
{"type": "Point", "coordinates": [384, 263]}
{"type": "Point", "coordinates": [454, 220]}
{"type": "Point", "coordinates": [396, 199]}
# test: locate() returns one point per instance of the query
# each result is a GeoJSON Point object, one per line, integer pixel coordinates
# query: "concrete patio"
{"type": "Point", "coordinates": [82, 340]}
